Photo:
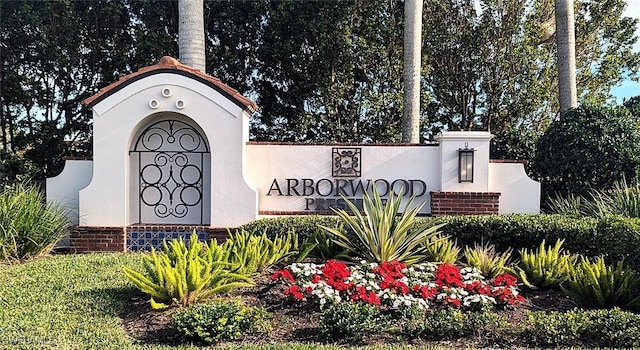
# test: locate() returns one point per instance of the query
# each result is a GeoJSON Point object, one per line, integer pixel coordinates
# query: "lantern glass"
{"type": "Point", "coordinates": [465, 164]}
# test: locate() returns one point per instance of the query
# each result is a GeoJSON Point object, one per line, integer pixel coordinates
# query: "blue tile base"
{"type": "Point", "coordinates": [142, 238]}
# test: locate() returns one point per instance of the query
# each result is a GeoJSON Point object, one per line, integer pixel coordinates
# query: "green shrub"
{"type": "Point", "coordinates": [589, 148]}
{"type": "Point", "coordinates": [220, 320]}
{"type": "Point", "coordinates": [442, 249]}
{"type": "Point", "coordinates": [546, 267]}
{"type": "Point", "coordinates": [613, 328]}
{"type": "Point", "coordinates": [351, 322]}
{"type": "Point", "coordinates": [553, 329]}
{"type": "Point", "coordinates": [607, 328]}
{"type": "Point", "coordinates": [596, 284]}
{"type": "Point", "coordinates": [489, 326]}
{"type": "Point", "coordinates": [303, 225]}
{"type": "Point", "coordinates": [384, 232]}
{"type": "Point", "coordinates": [485, 258]}
{"type": "Point", "coordinates": [184, 275]}
{"type": "Point", "coordinates": [614, 237]}
{"type": "Point", "coordinates": [437, 324]}
{"type": "Point", "coordinates": [250, 253]}
{"type": "Point", "coordinates": [29, 227]}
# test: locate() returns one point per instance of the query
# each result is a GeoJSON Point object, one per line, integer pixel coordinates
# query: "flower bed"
{"type": "Point", "coordinates": [394, 285]}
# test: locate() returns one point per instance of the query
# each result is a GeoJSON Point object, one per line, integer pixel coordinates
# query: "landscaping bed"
{"type": "Point", "coordinates": [295, 322]}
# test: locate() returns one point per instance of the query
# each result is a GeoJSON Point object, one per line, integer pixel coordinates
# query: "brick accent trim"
{"type": "Point", "coordinates": [464, 203]}
{"type": "Point", "coordinates": [86, 239]}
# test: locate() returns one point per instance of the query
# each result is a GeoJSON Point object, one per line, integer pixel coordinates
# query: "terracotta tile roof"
{"type": "Point", "coordinates": [168, 64]}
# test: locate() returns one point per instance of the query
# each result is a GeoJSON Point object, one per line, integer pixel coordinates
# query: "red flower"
{"type": "Point", "coordinates": [369, 297]}
{"type": "Point", "coordinates": [335, 270]}
{"type": "Point", "coordinates": [506, 280]}
{"type": "Point", "coordinates": [448, 275]}
{"type": "Point", "coordinates": [426, 292]}
{"type": "Point", "coordinates": [295, 292]}
{"type": "Point", "coordinates": [390, 269]}
{"type": "Point", "coordinates": [477, 287]}
{"type": "Point", "coordinates": [453, 301]}
{"type": "Point", "coordinates": [315, 279]}
{"type": "Point", "coordinates": [284, 274]}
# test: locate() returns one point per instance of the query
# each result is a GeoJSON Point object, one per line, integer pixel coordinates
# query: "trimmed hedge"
{"type": "Point", "coordinates": [616, 238]}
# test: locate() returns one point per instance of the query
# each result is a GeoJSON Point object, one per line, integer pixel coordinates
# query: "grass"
{"type": "Point", "coordinates": [73, 302]}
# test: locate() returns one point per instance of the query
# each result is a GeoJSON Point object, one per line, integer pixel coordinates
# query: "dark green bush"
{"type": "Point", "coordinates": [445, 324]}
{"type": "Point", "coordinates": [616, 238]}
{"type": "Point", "coordinates": [613, 328]}
{"type": "Point", "coordinates": [589, 148]}
{"type": "Point", "coordinates": [221, 320]}
{"type": "Point", "coordinates": [607, 328]}
{"type": "Point", "coordinates": [303, 226]}
{"type": "Point", "coordinates": [553, 329]}
{"type": "Point", "coordinates": [351, 322]}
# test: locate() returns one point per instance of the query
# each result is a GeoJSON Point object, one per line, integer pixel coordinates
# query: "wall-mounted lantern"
{"type": "Point", "coordinates": [465, 163]}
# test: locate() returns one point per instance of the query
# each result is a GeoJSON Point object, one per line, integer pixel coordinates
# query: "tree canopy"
{"type": "Point", "coordinates": [319, 70]}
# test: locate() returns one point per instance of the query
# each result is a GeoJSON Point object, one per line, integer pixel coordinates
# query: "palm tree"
{"type": "Point", "coordinates": [191, 33]}
{"type": "Point", "coordinates": [412, 49]}
{"type": "Point", "coordinates": [565, 36]}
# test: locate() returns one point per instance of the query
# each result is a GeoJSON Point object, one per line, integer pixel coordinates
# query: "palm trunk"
{"type": "Point", "coordinates": [191, 33]}
{"type": "Point", "coordinates": [565, 36]}
{"type": "Point", "coordinates": [412, 52]}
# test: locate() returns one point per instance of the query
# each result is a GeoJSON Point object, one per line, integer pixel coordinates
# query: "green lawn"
{"type": "Point", "coordinates": [72, 302]}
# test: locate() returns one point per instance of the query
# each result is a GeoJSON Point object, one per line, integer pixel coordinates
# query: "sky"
{"type": "Point", "coordinates": [630, 88]}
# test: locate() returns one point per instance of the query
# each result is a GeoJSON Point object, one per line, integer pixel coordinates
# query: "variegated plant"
{"type": "Point", "coordinates": [384, 232]}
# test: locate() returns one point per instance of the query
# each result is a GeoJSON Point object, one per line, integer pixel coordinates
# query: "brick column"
{"type": "Point", "coordinates": [97, 239]}
{"type": "Point", "coordinates": [464, 203]}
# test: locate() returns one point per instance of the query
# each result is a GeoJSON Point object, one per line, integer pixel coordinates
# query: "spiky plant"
{"type": "Point", "coordinates": [184, 274]}
{"type": "Point", "coordinates": [384, 232]}
{"type": "Point", "coordinates": [597, 284]}
{"type": "Point", "coordinates": [546, 267]}
{"type": "Point", "coordinates": [484, 257]}
{"type": "Point", "coordinates": [252, 253]}
{"type": "Point", "coordinates": [442, 249]}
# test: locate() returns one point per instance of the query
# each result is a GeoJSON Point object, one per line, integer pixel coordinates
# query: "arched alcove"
{"type": "Point", "coordinates": [169, 172]}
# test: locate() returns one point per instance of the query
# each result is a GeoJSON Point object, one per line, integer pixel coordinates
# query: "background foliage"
{"type": "Point", "coordinates": [320, 70]}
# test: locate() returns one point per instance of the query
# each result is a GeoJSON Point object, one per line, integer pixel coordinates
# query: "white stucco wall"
{"type": "Point", "coordinates": [117, 118]}
{"type": "Point", "coordinates": [450, 143]}
{"type": "Point", "coordinates": [518, 192]}
{"type": "Point", "coordinates": [281, 162]}
{"type": "Point", "coordinates": [64, 188]}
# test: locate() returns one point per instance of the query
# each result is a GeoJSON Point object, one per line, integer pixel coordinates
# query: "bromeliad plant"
{"type": "Point", "coordinates": [597, 284]}
{"type": "Point", "coordinates": [546, 267]}
{"type": "Point", "coordinates": [394, 285]}
{"type": "Point", "coordinates": [184, 274]}
{"type": "Point", "coordinates": [384, 232]}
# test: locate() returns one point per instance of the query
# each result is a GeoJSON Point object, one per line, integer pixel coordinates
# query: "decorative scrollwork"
{"type": "Point", "coordinates": [170, 135]}
{"type": "Point", "coordinates": [170, 156]}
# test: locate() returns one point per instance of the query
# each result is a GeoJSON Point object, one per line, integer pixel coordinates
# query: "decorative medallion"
{"type": "Point", "coordinates": [346, 162]}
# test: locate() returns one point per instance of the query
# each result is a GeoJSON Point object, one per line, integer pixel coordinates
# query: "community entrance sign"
{"type": "Point", "coordinates": [171, 147]}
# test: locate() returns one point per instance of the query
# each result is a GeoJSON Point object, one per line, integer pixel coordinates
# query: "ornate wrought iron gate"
{"type": "Point", "coordinates": [170, 166]}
